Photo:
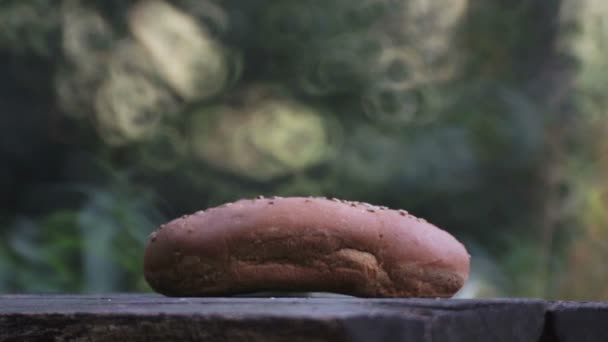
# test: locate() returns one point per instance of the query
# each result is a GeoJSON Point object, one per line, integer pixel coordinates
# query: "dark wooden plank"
{"type": "Point", "coordinates": [157, 318]}
{"type": "Point", "coordinates": [577, 322]}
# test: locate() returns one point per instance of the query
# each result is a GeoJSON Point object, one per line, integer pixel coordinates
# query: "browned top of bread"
{"type": "Point", "coordinates": [291, 243]}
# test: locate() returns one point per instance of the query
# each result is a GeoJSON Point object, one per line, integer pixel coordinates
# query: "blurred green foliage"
{"type": "Point", "coordinates": [481, 116]}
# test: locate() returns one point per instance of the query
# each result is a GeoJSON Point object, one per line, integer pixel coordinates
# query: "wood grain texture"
{"type": "Point", "coordinates": [156, 318]}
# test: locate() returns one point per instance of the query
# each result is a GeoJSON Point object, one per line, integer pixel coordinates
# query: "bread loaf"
{"type": "Point", "coordinates": [302, 244]}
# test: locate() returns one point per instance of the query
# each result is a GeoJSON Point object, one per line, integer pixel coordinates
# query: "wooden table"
{"type": "Point", "coordinates": [136, 317]}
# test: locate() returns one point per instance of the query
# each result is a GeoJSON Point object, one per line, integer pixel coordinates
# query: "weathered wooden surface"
{"type": "Point", "coordinates": [156, 318]}
{"type": "Point", "coordinates": [578, 321]}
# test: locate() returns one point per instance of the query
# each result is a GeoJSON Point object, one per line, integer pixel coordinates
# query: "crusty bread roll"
{"type": "Point", "coordinates": [304, 245]}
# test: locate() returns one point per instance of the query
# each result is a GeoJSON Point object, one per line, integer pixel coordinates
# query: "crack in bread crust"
{"type": "Point", "coordinates": [344, 270]}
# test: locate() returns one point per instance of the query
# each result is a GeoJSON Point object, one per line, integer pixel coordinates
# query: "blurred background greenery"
{"type": "Point", "coordinates": [486, 117]}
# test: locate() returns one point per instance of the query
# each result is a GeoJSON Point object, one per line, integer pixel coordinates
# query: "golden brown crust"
{"type": "Point", "coordinates": [304, 244]}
